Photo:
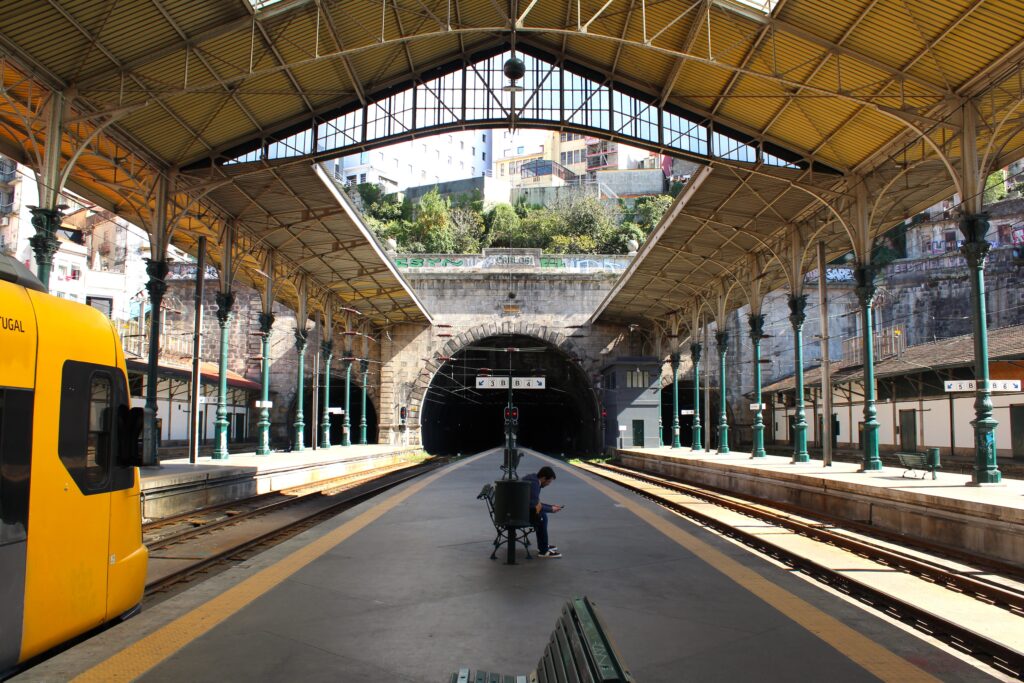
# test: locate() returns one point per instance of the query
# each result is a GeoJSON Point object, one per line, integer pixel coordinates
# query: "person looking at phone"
{"type": "Point", "coordinates": [539, 511]}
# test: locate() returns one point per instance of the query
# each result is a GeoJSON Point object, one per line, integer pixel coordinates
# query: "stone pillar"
{"type": "Point", "coordinates": [44, 242]}
{"type": "Point", "coordinates": [975, 250]}
{"type": "Point", "coordinates": [695, 349]}
{"type": "Point", "coordinates": [364, 367]}
{"type": "Point", "coordinates": [263, 426]}
{"type": "Point", "coordinates": [299, 443]}
{"type": "Point", "coordinates": [797, 306]}
{"type": "Point", "coordinates": [675, 400]}
{"type": "Point", "coordinates": [866, 295]}
{"type": "Point", "coordinates": [722, 340]}
{"type": "Point", "coordinates": [156, 286]}
{"type": "Point", "coordinates": [346, 439]}
{"type": "Point", "coordinates": [756, 335]}
{"type": "Point", "coordinates": [225, 302]}
{"type": "Point", "coordinates": [325, 415]}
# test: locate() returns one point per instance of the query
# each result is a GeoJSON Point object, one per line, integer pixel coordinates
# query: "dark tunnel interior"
{"type": "Point", "coordinates": [708, 422]}
{"type": "Point", "coordinates": [456, 417]}
{"type": "Point", "coordinates": [337, 421]}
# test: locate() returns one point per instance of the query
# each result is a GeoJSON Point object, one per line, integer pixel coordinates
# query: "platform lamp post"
{"type": "Point", "coordinates": [695, 350]}
{"type": "Point", "coordinates": [756, 322]}
{"type": "Point", "coordinates": [797, 316]}
{"type": "Point", "coordinates": [301, 338]}
{"type": "Point", "coordinates": [325, 417]}
{"type": "Point", "coordinates": [975, 249]}
{"type": "Point", "coordinates": [364, 367]}
{"type": "Point", "coordinates": [722, 340]}
{"type": "Point", "coordinates": [674, 359]}
{"type": "Point", "coordinates": [346, 439]}
{"type": "Point", "coordinates": [225, 302]}
{"type": "Point", "coordinates": [263, 425]}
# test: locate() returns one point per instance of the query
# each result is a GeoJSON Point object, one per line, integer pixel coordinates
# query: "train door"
{"type": "Point", "coordinates": [638, 433]}
{"type": "Point", "coordinates": [1017, 431]}
{"type": "Point", "coordinates": [908, 430]}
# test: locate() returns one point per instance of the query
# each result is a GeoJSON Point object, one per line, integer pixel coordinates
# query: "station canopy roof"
{"type": "Point", "coordinates": [860, 92]}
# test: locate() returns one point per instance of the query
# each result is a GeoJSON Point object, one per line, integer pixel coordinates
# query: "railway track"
{"type": "Point", "coordinates": [1002, 594]}
{"type": "Point", "coordinates": [224, 535]}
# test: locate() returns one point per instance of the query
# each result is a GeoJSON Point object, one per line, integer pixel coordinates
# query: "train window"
{"type": "Point", "coordinates": [86, 443]}
{"type": "Point", "coordinates": [98, 440]}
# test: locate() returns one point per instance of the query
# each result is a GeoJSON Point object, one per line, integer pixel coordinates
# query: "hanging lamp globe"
{"type": "Point", "coordinates": [514, 69]}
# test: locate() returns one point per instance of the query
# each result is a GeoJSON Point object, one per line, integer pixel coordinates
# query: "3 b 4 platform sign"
{"type": "Point", "coordinates": [517, 382]}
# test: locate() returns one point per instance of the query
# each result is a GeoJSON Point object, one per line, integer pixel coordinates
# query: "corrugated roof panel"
{"type": "Point", "coordinates": [830, 21]}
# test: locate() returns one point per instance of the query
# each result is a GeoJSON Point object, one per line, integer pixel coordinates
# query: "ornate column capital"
{"type": "Point", "coordinates": [756, 323]}
{"type": "Point", "coordinates": [364, 365]}
{"type": "Point", "coordinates": [695, 350]}
{"type": "Point", "coordinates": [797, 310]}
{"type": "Point", "coordinates": [865, 289]}
{"type": "Point", "coordinates": [975, 247]}
{"type": "Point", "coordinates": [674, 360]}
{"type": "Point", "coordinates": [44, 242]}
{"type": "Point", "coordinates": [327, 347]}
{"type": "Point", "coordinates": [225, 304]}
{"type": "Point", "coordinates": [722, 340]}
{"type": "Point", "coordinates": [301, 338]}
{"type": "Point", "coordinates": [266, 322]}
{"type": "Point", "coordinates": [157, 283]}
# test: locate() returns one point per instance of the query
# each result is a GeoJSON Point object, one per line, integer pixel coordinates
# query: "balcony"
{"type": "Point", "coordinates": [890, 342]}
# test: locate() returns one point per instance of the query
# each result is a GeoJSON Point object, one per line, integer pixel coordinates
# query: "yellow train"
{"type": "Point", "coordinates": [71, 552]}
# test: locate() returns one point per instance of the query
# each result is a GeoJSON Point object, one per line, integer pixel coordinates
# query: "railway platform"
{"type": "Point", "coordinates": [177, 486]}
{"type": "Point", "coordinates": [987, 521]}
{"type": "Point", "coordinates": [400, 588]}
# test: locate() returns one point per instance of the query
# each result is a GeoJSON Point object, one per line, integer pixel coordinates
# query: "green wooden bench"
{"type": "Point", "coordinates": [916, 462]}
{"type": "Point", "coordinates": [579, 651]}
{"type": "Point", "coordinates": [522, 534]}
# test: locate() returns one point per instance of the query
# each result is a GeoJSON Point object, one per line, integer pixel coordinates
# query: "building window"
{"type": "Point", "coordinates": [484, 156]}
{"type": "Point", "coordinates": [483, 137]}
{"type": "Point", "coordinates": [519, 150]}
{"type": "Point", "coordinates": [473, 171]}
{"type": "Point", "coordinates": [462, 144]}
{"type": "Point", "coordinates": [103, 304]}
{"type": "Point", "coordinates": [638, 379]}
{"type": "Point", "coordinates": [362, 177]}
{"type": "Point", "coordinates": [474, 151]}
{"type": "Point", "coordinates": [350, 179]}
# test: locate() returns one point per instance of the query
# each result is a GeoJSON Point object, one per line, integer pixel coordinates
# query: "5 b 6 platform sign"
{"type": "Point", "coordinates": [993, 385]}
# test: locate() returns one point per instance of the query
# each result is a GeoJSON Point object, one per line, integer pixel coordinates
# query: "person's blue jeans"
{"type": "Point", "coordinates": [540, 525]}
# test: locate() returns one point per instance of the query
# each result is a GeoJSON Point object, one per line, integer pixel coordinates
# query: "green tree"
{"type": "Point", "coordinates": [433, 224]}
{"type": "Point", "coordinates": [467, 230]}
{"type": "Point", "coordinates": [648, 211]}
{"type": "Point", "coordinates": [502, 226]}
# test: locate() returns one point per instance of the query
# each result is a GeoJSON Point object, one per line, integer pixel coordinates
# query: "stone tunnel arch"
{"type": "Point", "coordinates": [570, 405]}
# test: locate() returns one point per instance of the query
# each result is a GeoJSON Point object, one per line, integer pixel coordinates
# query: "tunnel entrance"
{"type": "Point", "coordinates": [456, 417]}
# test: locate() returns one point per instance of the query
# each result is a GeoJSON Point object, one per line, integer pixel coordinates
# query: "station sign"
{"type": "Point", "coordinates": [517, 382]}
{"type": "Point", "coordinates": [207, 399]}
{"type": "Point", "coordinates": [686, 411]}
{"type": "Point", "coordinates": [758, 406]}
{"type": "Point", "coordinates": [336, 411]}
{"type": "Point", "coordinates": [264, 404]}
{"type": "Point", "coordinates": [994, 385]}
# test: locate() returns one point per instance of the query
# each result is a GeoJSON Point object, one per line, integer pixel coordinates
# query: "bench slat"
{"type": "Point", "coordinates": [570, 664]}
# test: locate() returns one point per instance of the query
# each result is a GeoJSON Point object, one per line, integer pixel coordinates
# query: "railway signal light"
{"type": "Point", "coordinates": [512, 415]}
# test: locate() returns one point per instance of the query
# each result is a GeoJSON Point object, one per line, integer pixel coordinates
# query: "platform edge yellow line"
{"type": "Point", "coordinates": [149, 651]}
{"type": "Point", "coordinates": [860, 649]}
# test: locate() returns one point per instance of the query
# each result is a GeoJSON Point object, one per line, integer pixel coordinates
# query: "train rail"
{"type": "Point", "coordinates": [178, 557]}
{"type": "Point", "coordinates": [936, 570]}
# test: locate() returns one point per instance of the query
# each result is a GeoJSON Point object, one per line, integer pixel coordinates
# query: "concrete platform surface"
{"type": "Point", "coordinates": [177, 486]}
{"type": "Point", "coordinates": [401, 589]}
{"type": "Point", "coordinates": [984, 520]}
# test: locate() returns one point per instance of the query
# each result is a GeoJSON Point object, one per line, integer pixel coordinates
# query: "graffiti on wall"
{"type": "Point", "coordinates": [577, 263]}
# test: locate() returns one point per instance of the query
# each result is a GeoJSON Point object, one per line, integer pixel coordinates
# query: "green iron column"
{"type": "Point", "coordinates": [975, 250]}
{"type": "Point", "coordinates": [661, 410]}
{"type": "Point", "coordinates": [325, 415]}
{"type": "Point", "coordinates": [156, 286]}
{"type": "Point", "coordinates": [364, 367]}
{"type": "Point", "coordinates": [675, 400]}
{"type": "Point", "coordinates": [697, 444]}
{"type": "Point", "coordinates": [797, 315]}
{"type": "Point", "coordinates": [225, 302]}
{"type": "Point", "coordinates": [756, 334]}
{"type": "Point", "coordinates": [263, 426]}
{"type": "Point", "coordinates": [300, 423]}
{"type": "Point", "coordinates": [722, 339]}
{"type": "Point", "coordinates": [866, 294]}
{"type": "Point", "coordinates": [346, 439]}
{"type": "Point", "coordinates": [44, 242]}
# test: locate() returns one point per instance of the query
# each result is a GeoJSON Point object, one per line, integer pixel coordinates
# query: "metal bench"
{"type": "Point", "coordinates": [579, 650]}
{"type": "Point", "coordinates": [918, 462]}
{"type": "Point", "coordinates": [522, 534]}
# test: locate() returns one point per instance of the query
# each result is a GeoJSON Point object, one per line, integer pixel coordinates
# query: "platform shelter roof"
{"type": "Point", "coordinates": [861, 91]}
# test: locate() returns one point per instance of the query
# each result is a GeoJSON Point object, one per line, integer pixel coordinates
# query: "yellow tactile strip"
{"type": "Point", "coordinates": [858, 648]}
{"type": "Point", "coordinates": [147, 652]}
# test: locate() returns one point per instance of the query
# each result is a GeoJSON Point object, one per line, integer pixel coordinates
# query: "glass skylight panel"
{"type": "Point", "coordinates": [263, 4]}
{"type": "Point", "coordinates": [765, 6]}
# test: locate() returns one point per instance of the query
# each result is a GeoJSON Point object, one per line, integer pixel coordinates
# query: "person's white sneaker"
{"type": "Point", "coordinates": [550, 552]}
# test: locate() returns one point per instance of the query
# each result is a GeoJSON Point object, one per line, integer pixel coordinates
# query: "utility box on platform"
{"type": "Point", "coordinates": [630, 398]}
